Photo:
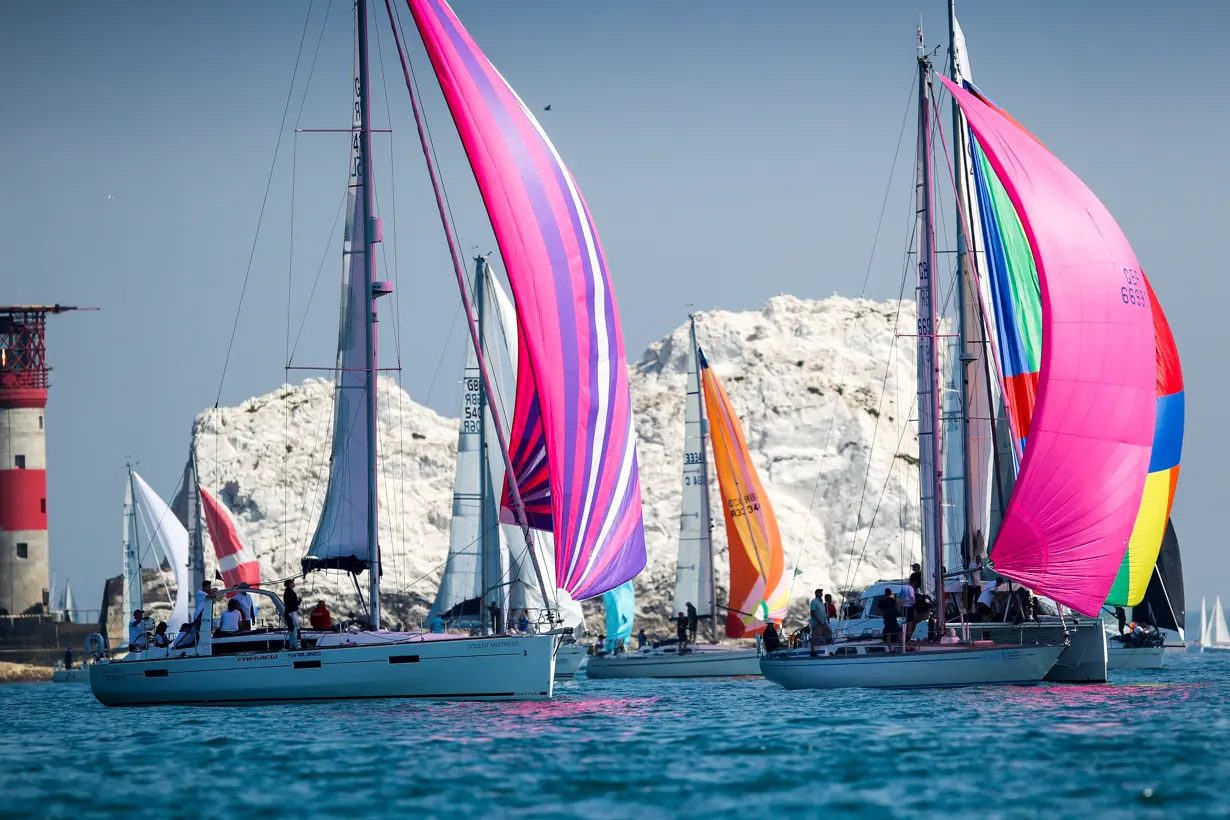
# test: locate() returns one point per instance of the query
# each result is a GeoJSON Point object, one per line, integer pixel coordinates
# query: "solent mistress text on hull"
{"type": "Point", "coordinates": [571, 487]}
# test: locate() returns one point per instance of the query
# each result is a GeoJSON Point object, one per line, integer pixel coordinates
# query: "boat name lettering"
{"type": "Point", "coordinates": [303, 655]}
{"type": "Point", "coordinates": [500, 644]}
{"type": "Point", "coordinates": [271, 657]}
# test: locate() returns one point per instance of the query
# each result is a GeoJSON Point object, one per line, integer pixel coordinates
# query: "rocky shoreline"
{"type": "Point", "coordinates": [24, 673]}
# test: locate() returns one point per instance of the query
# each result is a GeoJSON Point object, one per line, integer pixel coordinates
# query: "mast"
{"type": "Point", "coordinates": [133, 593]}
{"type": "Point", "coordinates": [486, 527]}
{"type": "Point", "coordinates": [930, 477]}
{"type": "Point", "coordinates": [706, 518]}
{"type": "Point", "coordinates": [964, 359]}
{"type": "Point", "coordinates": [362, 127]}
{"type": "Point", "coordinates": [196, 541]}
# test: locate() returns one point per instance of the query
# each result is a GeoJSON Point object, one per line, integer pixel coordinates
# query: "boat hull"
{"type": "Point", "coordinates": [1084, 660]}
{"type": "Point", "coordinates": [703, 663]}
{"type": "Point", "coordinates": [1125, 657]}
{"type": "Point", "coordinates": [498, 668]}
{"type": "Point", "coordinates": [568, 660]}
{"type": "Point", "coordinates": [928, 668]}
{"type": "Point", "coordinates": [79, 675]}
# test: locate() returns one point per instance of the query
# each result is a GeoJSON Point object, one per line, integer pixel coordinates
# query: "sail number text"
{"type": "Point", "coordinates": [1133, 292]}
{"type": "Point", "coordinates": [692, 458]}
{"type": "Point", "coordinates": [473, 406]}
{"type": "Point", "coordinates": [747, 505]}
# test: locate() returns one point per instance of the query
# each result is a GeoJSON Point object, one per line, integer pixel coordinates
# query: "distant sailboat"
{"type": "Point", "coordinates": [570, 443]}
{"type": "Point", "coordinates": [758, 582]}
{"type": "Point", "coordinates": [1214, 635]}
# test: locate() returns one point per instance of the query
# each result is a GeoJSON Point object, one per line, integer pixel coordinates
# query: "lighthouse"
{"type": "Point", "coordinates": [24, 573]}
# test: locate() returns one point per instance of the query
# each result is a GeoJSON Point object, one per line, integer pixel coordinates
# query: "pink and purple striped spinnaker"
{"type": "Point", "coordinates": [1080, 483]}
{"type": "Point", "coordinates": [571, 439]}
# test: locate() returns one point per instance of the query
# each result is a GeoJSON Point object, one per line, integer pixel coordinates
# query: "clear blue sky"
{"type": "Point", "coordinates": [728, 152]}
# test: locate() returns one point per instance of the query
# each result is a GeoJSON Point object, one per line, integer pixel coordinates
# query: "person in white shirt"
{"type": "Point", "coordinates": [821, 632]}
{"type": "Point", "coordinates": [245, 603]}
{"type": "Point", "coordinates": [905, 598]}
{"type": "Point", "coordinates": [228, 624]}
{"type": "Point", "coordinates": [137, 639]}
{"type": "Point", "coordinates": [202, 595]}
{"type": "Point", "coordinates": [982, 611]}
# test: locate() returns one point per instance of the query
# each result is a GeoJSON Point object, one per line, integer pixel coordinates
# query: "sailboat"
{"type": "Point", "coordinates": [758, 581]}
{"type": "Point", "coordinates": [569, 452]}
{"type": "Point", "coordinates": [1160, 608]}
{"type": "Point", "coordinates": [1214, 635]}
{"type": "Point", "coordinates": [1079, 483]}
{"type": "Point", "coordinates": [489, 569]}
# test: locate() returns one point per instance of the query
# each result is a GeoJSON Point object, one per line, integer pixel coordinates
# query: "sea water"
{"type": "Point", "coordinates": [1150, 744]}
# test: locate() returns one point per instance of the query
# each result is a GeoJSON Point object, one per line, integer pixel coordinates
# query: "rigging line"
{"type": "Point", "coordinates": [230, 345]}
{"type": "Point", "coordinates": [388, 112]}
{"type": "Point", "coordinates": [312, 68]}
{"type": "Point", "coordinates": [888, 366]}
{"type": "Point", "coordinates": [850, 338]}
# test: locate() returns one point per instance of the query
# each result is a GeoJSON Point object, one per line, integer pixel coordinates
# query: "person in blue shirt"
{"type": "Point", "coordinates": [437, 624]}
{"type": "Point", "coordinates": [523, 623]}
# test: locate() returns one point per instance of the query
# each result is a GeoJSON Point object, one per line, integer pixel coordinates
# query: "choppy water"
{"type": "Point", "coordinates": [1151, 744]}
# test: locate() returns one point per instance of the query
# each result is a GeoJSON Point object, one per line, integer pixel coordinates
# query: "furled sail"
{"type": "Point", "coordinates": [171, 540]}
{"type": "Point", "coordinates": [758, 585]}
{"type": "Point", "coordinates": [694, 570]}
{"type": "Point", "coordinates": [620, 606]}
{"type": "Point", "coordinates": [1153, 516]}
{"type": "Point", "coordinates": [571, 436]}
{"type": "Point", "coordinates": [1075, 501]}
{"type": "Point", "coordinates": [341, 537]}
{"type": "Point", "coordinates": [235, 561]}
{"type": "Point", "coordinates": [1163, 603]}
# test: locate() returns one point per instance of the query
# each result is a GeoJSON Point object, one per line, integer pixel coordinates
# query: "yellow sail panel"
{"type": "Point", "coordinates": [758, 586]}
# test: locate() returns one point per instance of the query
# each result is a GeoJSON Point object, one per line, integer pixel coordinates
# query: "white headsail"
{"type": "Point", "coordinates": [171, 540]}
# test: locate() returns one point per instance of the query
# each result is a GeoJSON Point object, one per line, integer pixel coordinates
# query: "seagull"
{"type": "Point", "coordinates": [548, 108]}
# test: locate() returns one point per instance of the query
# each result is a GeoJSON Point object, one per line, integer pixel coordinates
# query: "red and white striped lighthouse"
{"type": "Point", "coordinates": [24, 574]}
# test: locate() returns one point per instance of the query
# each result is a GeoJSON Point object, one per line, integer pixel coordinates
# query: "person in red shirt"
{"type": "Point", "coordinates": [320, 617]}
{"type": "Point", "coordinates": [829, 607]}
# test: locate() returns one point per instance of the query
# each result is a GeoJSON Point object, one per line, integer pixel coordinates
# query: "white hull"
{"type": "Point", "coordinates": [78, 675]}
{"type": "Point", "coordinates": [568, 660]}
{"type": "Point", "coordinates": [495, 668]}
{"type": "Point", "coordinates": [1083, 661]}
{"type": "Point", "coordinates": [1119, 656]}
{"type": "Point", "coordinates": [929, 667]}
{"type": "Point", "coordinates": [704, 662]}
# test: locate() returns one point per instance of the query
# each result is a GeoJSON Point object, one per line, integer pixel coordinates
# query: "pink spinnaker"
{"type": "Point", "coordinates": [1075, 501]}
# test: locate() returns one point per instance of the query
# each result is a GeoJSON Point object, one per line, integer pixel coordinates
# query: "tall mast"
{"type": "Point", "coordinates": [706, 518]}
{"type": "Point", "coordinates": [196, 541]}
{"type": "Point", "coordinates": [486, 527]}
{"type": "Point", "coordinates": [964, 359]}
{"type": "Point", "coordinates": [930, 477]}
{"type": "Point", "coordinates": [133, 594]}
{"type": "Point", "coordinates": [361, 126]}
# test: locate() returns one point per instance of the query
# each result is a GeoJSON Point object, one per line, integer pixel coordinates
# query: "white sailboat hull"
{"type": "Point", "coordinates": [1119, 656]}
{"type": "Point", "coordinates": [496, 668]}
{"type": "Point", "coordinates": [704, 662]}
{"type": "Point", "coordinates": [929, 667]}
{"type": "Point", "coordinates": [568, 660]}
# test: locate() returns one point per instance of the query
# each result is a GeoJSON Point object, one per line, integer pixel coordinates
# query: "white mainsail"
{"type": "Point", "coordinates": [694, 568]}
{"type": "Point", "coordinates": [171, 540]}
{"type": "Point", "coordinates": [1219, 635]}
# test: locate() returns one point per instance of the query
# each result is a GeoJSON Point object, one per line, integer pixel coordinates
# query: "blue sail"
{"type": "Point", "coordinates": [620, 605]}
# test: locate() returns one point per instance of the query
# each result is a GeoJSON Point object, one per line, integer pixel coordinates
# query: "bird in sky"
{"type": "Point", "coordinates": [548, 108]}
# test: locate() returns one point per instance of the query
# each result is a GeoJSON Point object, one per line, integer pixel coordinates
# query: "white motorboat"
{"type": "Point", "coordinates": [668, 662]}
{"type": "Point", "coordinates": [917, 666]}
{"type": "Point", "coordinates": [79, 675]}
